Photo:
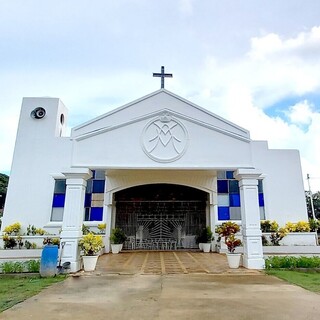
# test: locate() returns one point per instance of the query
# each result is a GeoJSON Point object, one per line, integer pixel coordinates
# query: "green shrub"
{"type": "Point", "coordinates": [12, 267]}
{"type": "Point", "coordinates": [20, 266]}
{"type": "Point", "coordinates": [269, 226]}
{"type": "Point", "coordinates": [7, 267]}
{"type": "Point", "coordinates": [314, 224]}
{"type": "Point", "coordinates": [288, 262]}
{"type": "Point", "coordinates": [117, 236]}
{"type": "Point", "coordinates": [33, 265]}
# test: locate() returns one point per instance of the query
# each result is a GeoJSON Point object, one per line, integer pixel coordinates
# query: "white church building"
{"type": "Point", "coordinates": [158, 167]}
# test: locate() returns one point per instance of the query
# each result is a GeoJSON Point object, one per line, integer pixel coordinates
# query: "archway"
{"type": "Point", "coordinates": [161, 216]}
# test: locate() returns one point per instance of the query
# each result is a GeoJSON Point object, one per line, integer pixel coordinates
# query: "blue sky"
{"type": "Point", "coordinates": [256, 63]}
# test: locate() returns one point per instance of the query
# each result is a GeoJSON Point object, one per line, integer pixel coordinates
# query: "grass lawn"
{"type": "Point", "coordinates": [308, 280]}
{"type": "Point", "coordinates": [17, 289]}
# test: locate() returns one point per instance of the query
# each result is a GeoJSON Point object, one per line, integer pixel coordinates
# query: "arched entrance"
{"type": "Point", "coordinates": [161, 216]}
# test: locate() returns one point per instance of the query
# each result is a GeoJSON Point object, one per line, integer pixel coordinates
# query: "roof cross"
{"type": "Point", "coordinates": [162, 75]}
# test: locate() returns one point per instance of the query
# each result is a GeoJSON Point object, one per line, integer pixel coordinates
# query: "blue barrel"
{"type": "Point", "coordinates": [48, 262]}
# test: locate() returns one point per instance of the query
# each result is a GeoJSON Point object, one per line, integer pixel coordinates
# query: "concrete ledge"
{"type": "Point", "coordinates": [298, 239]}
{"type": "Point", "coordinates": [291, 250]}
{"type": "Point", "coordinates": [20, 254]}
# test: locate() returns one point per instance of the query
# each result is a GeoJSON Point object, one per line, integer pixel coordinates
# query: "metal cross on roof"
{"type": "Point", "coordinates": [162, 75]}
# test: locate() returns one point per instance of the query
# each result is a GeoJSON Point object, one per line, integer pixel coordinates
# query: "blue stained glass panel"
{"type": "Point", "coordinates": [260, 186]}
{"type": "Point", "coordinates": [223, 213]}
{"type": "Point", "coordinates": [87, 200]}
{"type": "Point", "coordinates": [221, 175]}
{"type": "Point", "coordinates": [89, 186]}
{"type": "Point", "coordinates": [96, 214]}
{"type": "Point", "coordinates": [229, 175]}
{"type": "Point", "coordinates": [222, 186]}
{"type": "Point", "coordinates": [233, 186]}
{"type": "Point", "coordinates": [60, 186]}
{"type": "Point", "coordinates": [98, 186]}
{"type": "Point", "coordinates": [234, 200]}
{"type": "Point", "coordinates": [58, 200]}
{"type": "Point", "coordinates": [99, 175]}
{"type": "Point", "coordinates": [261, 200]}
{"type": "Point", "coordinates": [86, 214]}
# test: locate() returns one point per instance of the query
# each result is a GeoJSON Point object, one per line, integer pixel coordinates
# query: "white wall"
{"type": "Point", "coordinates": [283, 183]}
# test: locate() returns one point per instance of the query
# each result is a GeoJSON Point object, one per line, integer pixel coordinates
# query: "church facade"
{"type": "Point", "coordinates": [159, 167]}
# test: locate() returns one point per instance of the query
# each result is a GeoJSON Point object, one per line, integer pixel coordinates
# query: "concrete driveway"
{"type": "Point", "coordinates": [169, 296]}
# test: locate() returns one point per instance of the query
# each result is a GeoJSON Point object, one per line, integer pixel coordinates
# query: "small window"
{"type": "Point", "coordinates": [58, 200]}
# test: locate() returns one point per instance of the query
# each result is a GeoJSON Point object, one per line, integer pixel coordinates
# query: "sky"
{"type": "Point", "coordinates": [253, 62]}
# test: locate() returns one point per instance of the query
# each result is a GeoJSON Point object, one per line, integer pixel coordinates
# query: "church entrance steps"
{"type": "Point", "coordinates": [165, 262]}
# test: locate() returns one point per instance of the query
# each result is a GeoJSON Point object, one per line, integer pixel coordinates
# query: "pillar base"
{"type": "Point", "coordinates": [253, 263]}
{"type": "Point", "coordinates": [75, 266]}
{"type": "Point", "coordinates": [71, 253]}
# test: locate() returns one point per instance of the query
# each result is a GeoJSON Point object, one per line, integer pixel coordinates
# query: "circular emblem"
{"type": "Point", "coordinates": [164, 139]}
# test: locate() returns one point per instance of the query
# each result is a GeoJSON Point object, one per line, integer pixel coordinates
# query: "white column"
{"type": "Point", "coordinates": [73, 215]}
{"type": "Point", "coordinates": [250, 216]}
{"type": "Point", "coordinates": [213, 208]}
{"type": "Point", "coordinates": [107, 212]}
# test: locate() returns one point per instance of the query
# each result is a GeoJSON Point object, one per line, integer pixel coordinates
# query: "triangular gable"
{"type": "Point", "coordinates": [156, 104]}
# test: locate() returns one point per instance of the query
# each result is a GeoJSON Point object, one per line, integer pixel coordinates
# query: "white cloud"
{"type": "Point", "coordinates": [300, 113]}
{"type": "Point", "coordinates": [271, 45]}
{"type": "Point", "coordinates": [273, 70]}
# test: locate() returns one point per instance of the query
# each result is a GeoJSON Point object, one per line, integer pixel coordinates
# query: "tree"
{"type": "Point", "coordinates": [4, 179]}
{"type": "Point", "coordinates": [316, 204]}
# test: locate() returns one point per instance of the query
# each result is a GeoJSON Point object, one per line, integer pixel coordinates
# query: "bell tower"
{"type": "Point", "coordinates": [40, 150]}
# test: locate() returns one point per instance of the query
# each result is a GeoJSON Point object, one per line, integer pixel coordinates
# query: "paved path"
{"type": "Point", "coordinates": [167, 262]}
{"type": "Point", "coordinates": [165, 297]}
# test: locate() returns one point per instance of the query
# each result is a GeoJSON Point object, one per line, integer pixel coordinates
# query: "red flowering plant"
{"type": "Point", "coordinates": [232, 242]}
{"type": "Point", "coordinates": [228, 231]}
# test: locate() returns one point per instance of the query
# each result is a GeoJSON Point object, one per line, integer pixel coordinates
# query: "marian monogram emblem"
{"type": "Point", "coordinates": [164, 139]}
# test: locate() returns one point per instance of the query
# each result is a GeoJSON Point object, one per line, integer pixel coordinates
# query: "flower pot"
{"type": "Point", "coordinates": [115, 248]}
{"type": "Point", "coordinates": [201, 246]}
{"type": "Point", "coordinates": [89, 262]}
{"type": "Point", "coordinates": [206, 247]}
{"type": "Point", "coordinates": [234, 260]}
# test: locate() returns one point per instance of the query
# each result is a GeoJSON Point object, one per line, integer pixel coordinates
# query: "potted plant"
{"type": "Point", "coordinates": [228, 231]}
{"type": "Point", "coordinates": [90, 244]}
{"type": "Point", "coordinates": [205, 238]}
{"type": "Point", "coordinates": [199, 239]}
{"type": "Point", "coordinates": [117, 238]}
{"type": "Point", "coordinates": [233, 258]}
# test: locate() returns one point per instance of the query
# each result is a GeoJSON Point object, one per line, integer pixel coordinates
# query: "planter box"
{"type": "Point", "coordinates": [298, 239]}
{"type": "Point", "coordinates": [291, 250]}
{"type": "Point", "coordinates": [301, 240]}
{"type": "Point", "coordinates": [38, 240]}
{"type": "Point", "coordinates": [20, 254]}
